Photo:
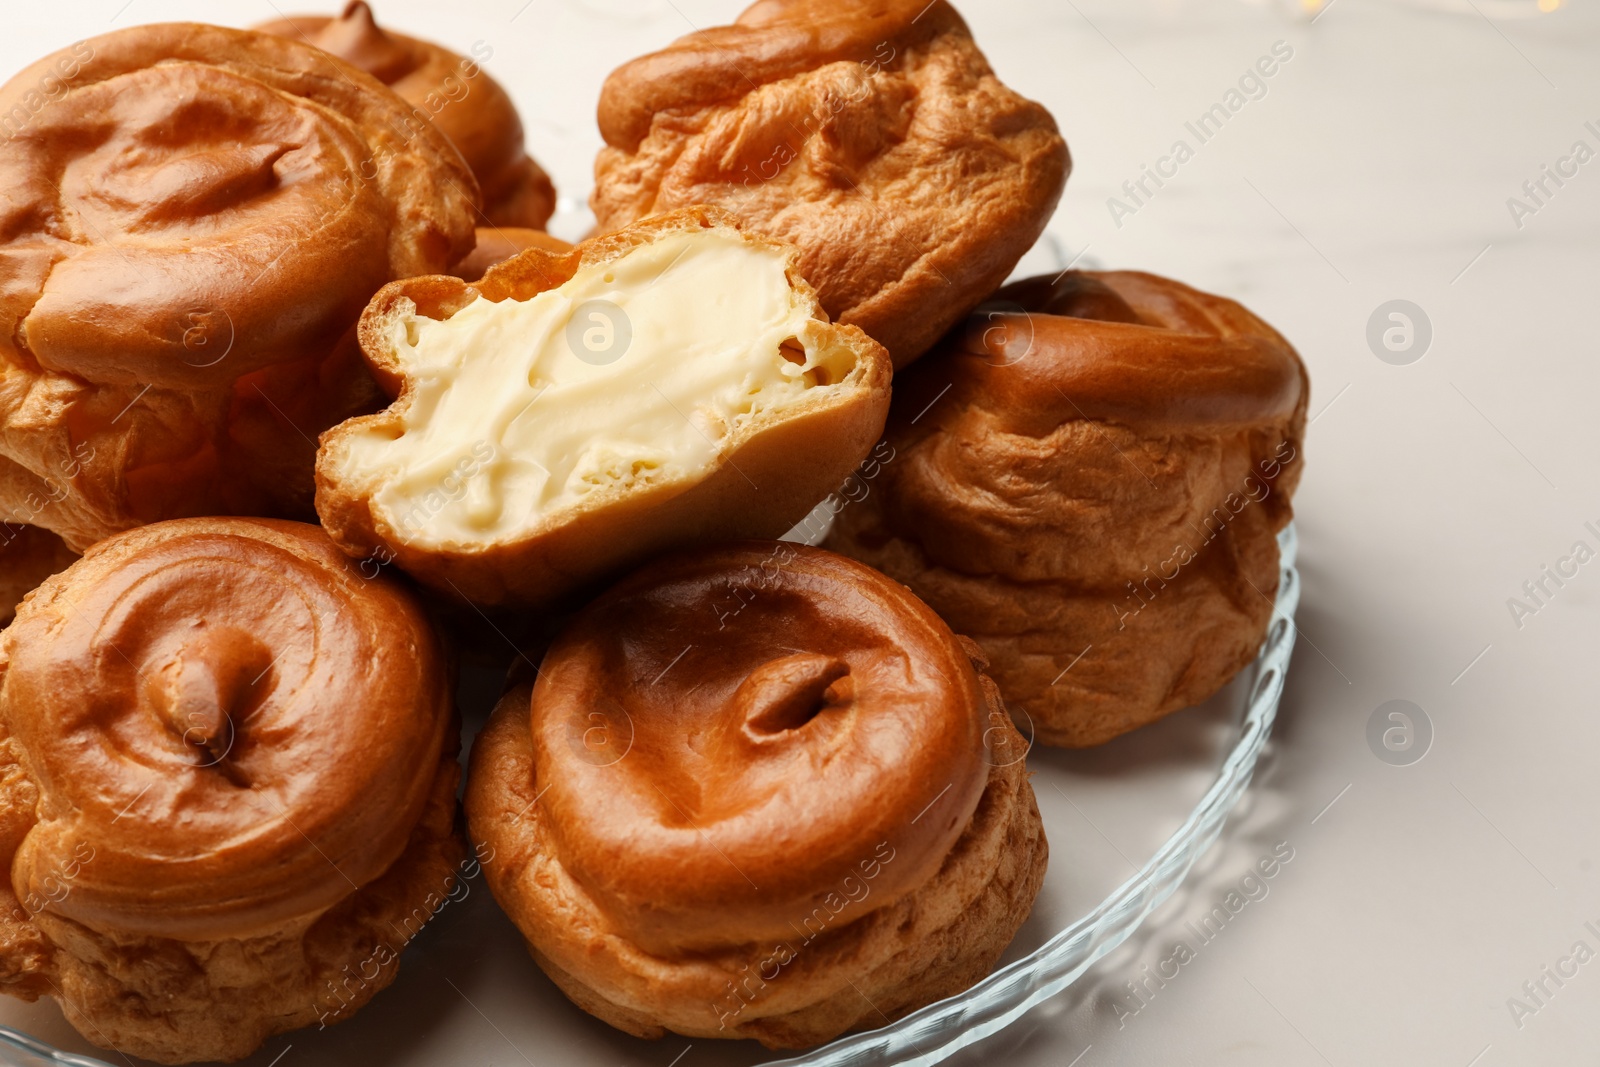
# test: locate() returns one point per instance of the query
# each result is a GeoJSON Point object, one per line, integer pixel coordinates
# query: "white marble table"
{"type": "Point", "coordinates": [1375, 164]}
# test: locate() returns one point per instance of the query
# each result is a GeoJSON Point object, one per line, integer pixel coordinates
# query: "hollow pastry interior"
{"type": "Point", "coordinates": [635, 372]}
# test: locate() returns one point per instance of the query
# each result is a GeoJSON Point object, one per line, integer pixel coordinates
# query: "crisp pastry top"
{"type": "Point", "coordinates": [496, 244]}
{"type": "Point", "coordinates": [194, 219]}
{"type": "Point", "coordinates": [1123, 347]}
{"type": "Point", "coordinates": [190, 172]}
{"type": "Point", "coordinates": [453, 93]}
{"type": "Point", "coordinates": [1003, 431]}
{"type": "Point", "coordinates": [872, 135]}
{"type": "Point", "coordinates": [770, 41]}
{"type": "Point", "coordinates": [237, 723]}
{"type": "Point", "coordinates": [722, 738]}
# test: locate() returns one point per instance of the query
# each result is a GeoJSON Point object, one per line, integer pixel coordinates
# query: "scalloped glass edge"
{"type": "Point", "coordinates": [939, 1030]}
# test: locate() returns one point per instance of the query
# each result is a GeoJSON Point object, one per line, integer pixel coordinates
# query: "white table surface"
{"type": "Point", "coordinates": [1376, 167]}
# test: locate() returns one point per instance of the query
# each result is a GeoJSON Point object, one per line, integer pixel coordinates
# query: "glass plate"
{"type": "Point", "coordinates": [467, 989]}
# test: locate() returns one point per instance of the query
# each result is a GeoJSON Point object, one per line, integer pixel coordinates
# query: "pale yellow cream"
{"type": "Point", "coordinates": [508, 426]}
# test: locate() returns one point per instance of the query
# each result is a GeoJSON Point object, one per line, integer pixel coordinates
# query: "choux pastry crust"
{"type": "Point", "coordinates": [874, 136]}
{"type": "Point", "coordinates": [759, 792]}
{"type": "Point", "coordinates": [227, 785]}
{"type": "Point", "coordinates": [28, 555]}
{"type": "Point", "coordinates": [451, 91]}
{"type": "Point", "coordinates": [496, 244]}
{"type": "Point", "coordinates": [198, 216]}
{"type": "Point", "coordinates": [518, 464]}
{"type": "Point", "coordinates": [1088, 480]}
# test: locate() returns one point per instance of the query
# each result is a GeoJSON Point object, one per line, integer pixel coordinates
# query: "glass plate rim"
{"type": "Point", "coordinates": [938, 1031]}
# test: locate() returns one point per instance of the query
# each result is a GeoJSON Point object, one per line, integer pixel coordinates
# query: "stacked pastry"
{"type": "Point", "coordinates": [228, 752]}
{"type": "Point", "coordinates": [641, 799]}
{"type": "Point", "coordinates": [454, 95]}
{"type": "Point", "coordinates": [1090, 482]}
{"type": "Point", "coordinates": [172, 339]}
{"type": "Point", "coordinates": [756, 789]}
{"type": "Point", "coordinates": [227, 778]}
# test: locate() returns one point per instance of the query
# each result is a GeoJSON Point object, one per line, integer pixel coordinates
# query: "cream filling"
{"type": "Point", "coordinates": [522, 409]}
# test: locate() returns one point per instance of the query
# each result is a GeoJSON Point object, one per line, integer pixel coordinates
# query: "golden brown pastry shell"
{"type": "Point", "coordinates": [173, 1001]}
{"type": "Point", "coordinates": [874, 136]}
{"type": "Point", "coordinates": [496, 244]}
{"type": "Point", "coordinates": [198, 216]}
{"type": "Point", "coordinates": [1088, 480]}
{"type": "Point", "coordinates": [453, 93]}
{"type": "Point", "coordinates": [227, 779]}
{"type": "Point", "coordinates": [862, 944]}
